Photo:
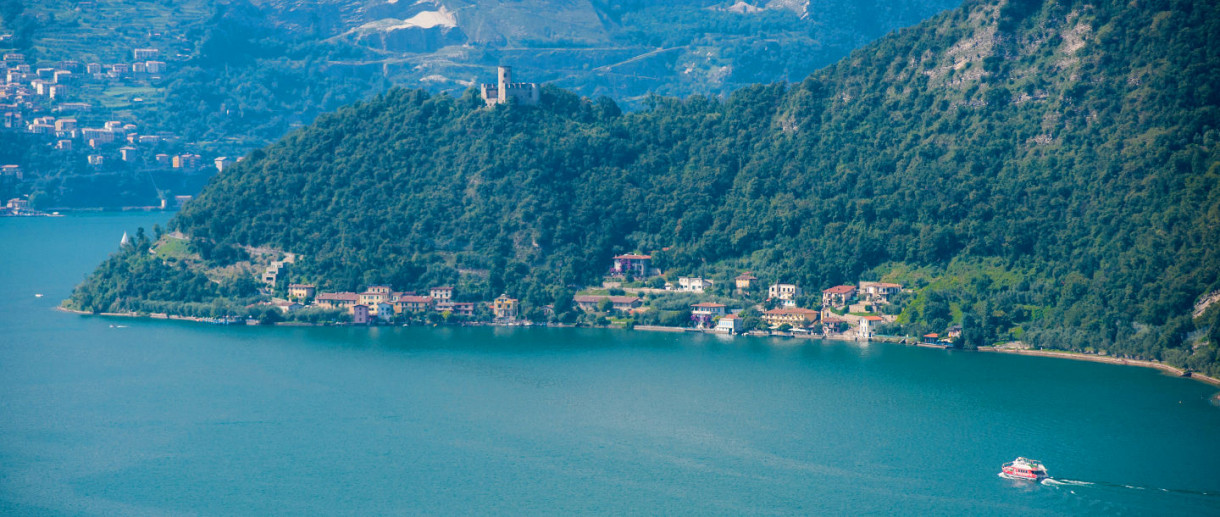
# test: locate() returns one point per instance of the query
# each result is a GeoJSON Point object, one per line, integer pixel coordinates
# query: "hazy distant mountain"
{"type": "Point", "coordinates": [241, 73]}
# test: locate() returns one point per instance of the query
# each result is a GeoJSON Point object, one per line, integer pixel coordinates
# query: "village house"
{"type": "Point", "coordinates": [838, 296]}
{"type": "Point", "coordinates": [505, 89]}
{"type": "Point", "coordinates": [442, 293]}
{"type": "Point", "coordinates": [693, 284]}
{"type": "Point", "coordinates": [286, 306]}
{"type": "Point", "coordinates": [745, 282]}
{"type": "Point", "coordinates": [729, 324]}
{"type": "Point", "coordinates": [118, 69]}
{"type": "Point", "coordinates": [954, 332]}
{"type": "Point", "coordinates": [142, 54]}
{"type": "Point", "coordinates": [868, 327]}
{"type": "Point", "coordinates": [272, 273]}
{"type": "Point", "coordinates": [360, 315]}
{"type": "Point", "coordinates": [223, 163]}
{"type": "Point", "coordinates": [411, 303]}
{"type": "Point", "coordinates": [878, 292]}
{"type": "Point", "coordinates": [58, 91]}
{"type": "Point", "coordinates": [592, 303]}
{"type": "Point", "coordinates": [459, 308]}
{"type": "Point", "coordinates": [793, 316]}
{"type": "Point", "coordinates": [931, 338]}
{"type": "Point", "coordinates": [832, 324]}
{"type": "Point", "coordinates": [504, 308]}
{"type": "Point", "coordinates": [374, 294]}
{"type": "Point", "coordinates": [703, 313]}
{"type": "Point", "coordinates": [785, 293]}
{"type": "Point", "coordinates": [301, 291]}
{"type": "Point", "coordinates": [11, 171]}
{"type": "Point", "coordinates": [343, 301]}
{"type": "Point", "coordinates": [186, 161]}
{"type": "Point", "coordinates": [383, 310]}
{"type": "Point", "coordinates": [635, 265]}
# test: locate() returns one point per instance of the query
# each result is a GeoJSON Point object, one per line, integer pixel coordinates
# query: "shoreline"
{"type": "Point", "coordinates": [1075, 356]}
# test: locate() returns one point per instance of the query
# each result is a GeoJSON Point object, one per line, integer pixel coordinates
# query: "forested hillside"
{"type": "Point", "coordinates": [1043, 171]}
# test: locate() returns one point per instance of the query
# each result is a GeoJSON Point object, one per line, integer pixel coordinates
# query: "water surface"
{"type": "Point", "coordinates": [162, 418]}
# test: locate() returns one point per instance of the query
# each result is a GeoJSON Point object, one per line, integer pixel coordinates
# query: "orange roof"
{"type": "Point", "coordinates": [840, 289]}
{"type": "Point", "coordinates": [933, 335]}
{"type": "Point", "coordinates": [874, 318]}
{"type": "Point", "coordinates": [730, 317]}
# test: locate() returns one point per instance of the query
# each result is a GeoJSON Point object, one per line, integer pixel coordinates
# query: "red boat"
{"type": "Point", "coordinates": [1024, 468]}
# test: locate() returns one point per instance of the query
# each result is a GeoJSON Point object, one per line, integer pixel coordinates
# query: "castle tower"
{"type": "Point", "coordinates": [506, 78]}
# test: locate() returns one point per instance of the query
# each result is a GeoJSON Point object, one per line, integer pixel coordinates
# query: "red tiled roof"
{"type": "Point", "coordinates": [730, 317]}
{"type": "Point", "coordinates": [932, 335]}
{"type": "Point", "coordinates": [746, 276]}
{"type": "Point", "coordinates": [840, 289]}
{"type": "Point", "coordinates": [874, 318]}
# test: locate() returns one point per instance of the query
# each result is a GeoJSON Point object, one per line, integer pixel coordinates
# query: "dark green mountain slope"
{"type": "Point", "coordinates": [1041, 170]}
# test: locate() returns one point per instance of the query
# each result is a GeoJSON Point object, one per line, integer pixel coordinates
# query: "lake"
{"type": "Point", "coordinates": [106, 416]}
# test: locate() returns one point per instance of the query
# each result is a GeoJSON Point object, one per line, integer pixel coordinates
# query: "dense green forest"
{"type": "Point", "coordinates": [1042, 171]}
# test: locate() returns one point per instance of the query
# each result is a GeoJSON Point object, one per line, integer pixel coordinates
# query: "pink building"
{"type": "Point", "coordinates": [636, 265]}
{"type": "Point", "coordinates": [360, 314]}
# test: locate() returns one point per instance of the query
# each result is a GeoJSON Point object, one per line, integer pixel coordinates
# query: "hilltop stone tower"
{"type": "Point", "coordinates": [505, 89]}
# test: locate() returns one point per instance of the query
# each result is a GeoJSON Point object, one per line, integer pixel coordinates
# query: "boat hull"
{"type": "Point", "coordinates": [1024, 476]}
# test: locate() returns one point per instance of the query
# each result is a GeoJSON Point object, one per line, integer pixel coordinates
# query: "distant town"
{"type": "Point", "coordinates": [852, 312]}
{"type": "Point", "coordinates": [43, 98]}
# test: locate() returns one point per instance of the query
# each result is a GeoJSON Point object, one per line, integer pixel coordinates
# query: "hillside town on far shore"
{"type": "Point", "coordinates": [844, 312]}
{"type": "Point", "coordinates": [44, 98]}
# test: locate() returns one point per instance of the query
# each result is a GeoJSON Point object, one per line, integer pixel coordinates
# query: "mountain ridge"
{"type": "Point", "coordinates": [1039, 171]}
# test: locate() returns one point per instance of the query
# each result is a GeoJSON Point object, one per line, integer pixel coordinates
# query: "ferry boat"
{"type": "Point", "coordinates": [1024, 468]}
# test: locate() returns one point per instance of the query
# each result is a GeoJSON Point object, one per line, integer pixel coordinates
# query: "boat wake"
{"type": "Point", "coordinates": [1065, 482]}
{"type": "Point", "coordinates": [1055, 482]}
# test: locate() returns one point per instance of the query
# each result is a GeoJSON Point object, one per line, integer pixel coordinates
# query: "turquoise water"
{"type": "Point", "coordinates": [163, 418]}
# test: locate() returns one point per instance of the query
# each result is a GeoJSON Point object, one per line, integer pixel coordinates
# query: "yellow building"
{"type": "Point", "coordinates": [505, 308]}
{"type": "Point", "coordinates": [301, 291]}
{"type": "Point", "coordinates": [795, 317]}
